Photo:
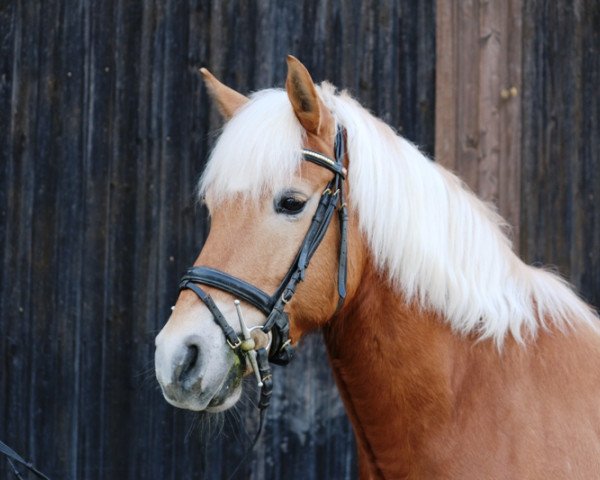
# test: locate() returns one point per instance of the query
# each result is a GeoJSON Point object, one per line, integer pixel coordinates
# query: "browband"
{"type": "Point", "coordinates": [324, 161]}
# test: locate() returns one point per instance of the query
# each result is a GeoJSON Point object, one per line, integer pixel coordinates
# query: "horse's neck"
{"type": "Point", "coordinates": [395, 368]}
{"type": "Point", "coordinates": [419, 396]}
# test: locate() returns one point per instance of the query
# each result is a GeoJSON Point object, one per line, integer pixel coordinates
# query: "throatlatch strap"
{"type": "Point", "coordinates": [343, 258]}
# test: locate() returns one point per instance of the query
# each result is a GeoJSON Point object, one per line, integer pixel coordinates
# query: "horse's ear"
{"type": "Point", "coordinates": [228, 100]}
{"type": "Point", "coordinates": [301, 90]}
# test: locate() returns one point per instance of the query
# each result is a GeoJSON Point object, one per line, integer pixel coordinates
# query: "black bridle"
{"type": "Point", "coordinates": [273, 306]}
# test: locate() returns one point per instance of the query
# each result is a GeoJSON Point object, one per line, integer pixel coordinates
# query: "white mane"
{"type": "Point", "coordinates": [258, 151]}
{"type": "Point", "coordinates": [436, 242]}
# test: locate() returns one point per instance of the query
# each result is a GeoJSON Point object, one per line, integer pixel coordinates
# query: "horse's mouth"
{"type": "Point", "coordinates": [230, 390]}
{"type": "Point", "coordinates": [199, 397]}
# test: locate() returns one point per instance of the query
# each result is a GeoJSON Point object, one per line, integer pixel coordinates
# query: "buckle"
{"type": "Point", "coordinates": [285, 344]}
{"type": "Point", "coordinates": [286, 300]}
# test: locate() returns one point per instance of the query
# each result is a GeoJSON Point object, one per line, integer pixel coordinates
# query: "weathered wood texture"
{"type": "Point", "coordinates": [478, 87]}
{"type": "Point", "coordinates": [560, 218]}
{"type": "Point", "coordinates": [533, 151]}
{"type": "Point", "coordinates": [104, 129]}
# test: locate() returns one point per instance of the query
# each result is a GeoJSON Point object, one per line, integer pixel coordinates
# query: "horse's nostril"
{"type": "Point", "coordinates": [186, 369]}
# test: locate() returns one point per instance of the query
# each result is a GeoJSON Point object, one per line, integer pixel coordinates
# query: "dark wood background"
{"type": "Point", "coordinates": [518, 117]}
{"type": "Point", "coordinates": [104, 130]}
{"type": "Point", "coordinates": [560, 190]}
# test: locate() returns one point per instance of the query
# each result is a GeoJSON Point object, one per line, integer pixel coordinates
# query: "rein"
{"type": "Point", "coordinates": [14, 456]}
{"type": "Point", "coordinates": [273, 306]}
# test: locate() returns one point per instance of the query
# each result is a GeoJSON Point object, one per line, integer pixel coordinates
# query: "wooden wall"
{"type": "Point", "coordinates": [517, 117]}
{"type": "Point", "coordinates": [104, 129]}
{"type": "Point", "coordinates": [560, 150]}
{"type": "Point", "coordinates": [478, 98]}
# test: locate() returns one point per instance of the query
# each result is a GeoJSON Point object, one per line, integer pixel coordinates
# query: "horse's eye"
{"type": "Point", "coordinates": [289, 204]}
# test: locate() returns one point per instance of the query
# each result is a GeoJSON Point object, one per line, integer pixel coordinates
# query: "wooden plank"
{"type": "Point", "coordinates": [478, 82]}
{"type": "Point", "coordinates": [18, 98]}
{"type": "Point", "coordinates": [510, 130]}
{"type": "Point", "coordinates": [445, 86]}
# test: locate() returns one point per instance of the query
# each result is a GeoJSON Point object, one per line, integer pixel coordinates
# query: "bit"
{"type": "Point", "coordinates": [248, 343]}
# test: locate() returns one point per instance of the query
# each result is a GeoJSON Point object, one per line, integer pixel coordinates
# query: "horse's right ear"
{"type": "Point", "coordinates": [228, 100]}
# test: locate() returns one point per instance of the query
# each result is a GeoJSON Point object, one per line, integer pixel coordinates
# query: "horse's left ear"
{"type": "Point", "coordinates": [301, 90]}
{"type": "Point", "coordinates": [228, 100]}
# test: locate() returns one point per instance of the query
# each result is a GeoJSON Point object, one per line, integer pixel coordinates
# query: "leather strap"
{"type": "Point", "coordinates": [343, 257]}
{"type": "Point", "coordinates": [229, 332]}
{"type": "Point", "coordinates": [12, 455]}
{"type": "Point", "coordinates": [229, 283]}
{"type": "Point", "coordinates": [324, 161]}
{"type": "Point", "coordinates": [262, 357]}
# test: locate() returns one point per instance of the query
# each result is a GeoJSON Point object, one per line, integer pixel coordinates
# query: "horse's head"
{"type": "Point", "coordinates": [262, 200]}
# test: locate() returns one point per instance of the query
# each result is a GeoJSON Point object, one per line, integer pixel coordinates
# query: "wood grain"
{"type": "Point", "coordinates": [561, 140]}
{"type": "Point", "coordinates": [477, 129]}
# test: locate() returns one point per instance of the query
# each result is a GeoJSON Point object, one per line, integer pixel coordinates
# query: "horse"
{"type": "Point", "coordinates": [453, 357]}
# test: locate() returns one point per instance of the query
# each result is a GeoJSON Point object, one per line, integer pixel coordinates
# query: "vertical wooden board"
{"type": "Point", "coordinates": [466, 24]}
{"type": "Point", "coordinates": [445, 85]}
{"type": "Point", "coordinates": [108, 131]}
{"type": "Point", "coordinates": [70, 224]}
{"type": "Point", "coordinates": [509, 168]}
{"type": "Point", "coordinates": [477, 110]}
{"type": "Point", "coordinates": [585, 253]}
{"type": "Point", "coordinates": [492, 29]}
{"type": "Point", "coordinates": [17, 169]}
{"type": "Point", "coordinates": [560, 222]}
{"type": "Point", "coordinates": [52, 355]}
